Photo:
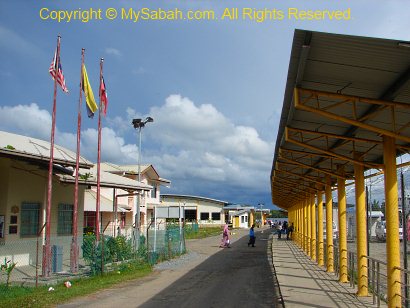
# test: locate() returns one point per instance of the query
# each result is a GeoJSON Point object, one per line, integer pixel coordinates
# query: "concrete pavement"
{"type": "Point", "coordinates": [305, 284]}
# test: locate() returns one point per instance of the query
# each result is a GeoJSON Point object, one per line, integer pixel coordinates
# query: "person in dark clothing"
{"type": "Point", "coordinates": [285, 228]}
{"type": "Point", "coordinates": [279, 230]}
{"type": "Point", "coordinates": [252, 236]}
{"type": "Point", "coordinates": [289, 231]}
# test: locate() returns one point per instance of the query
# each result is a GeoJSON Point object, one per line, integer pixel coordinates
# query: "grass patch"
{"type": "Point", "coordinates": [40, 297]}
{"type": "Point", "coordinates": [203, 232]}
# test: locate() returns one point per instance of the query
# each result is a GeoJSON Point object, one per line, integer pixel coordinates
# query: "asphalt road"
{"type": "Point", "coordinates": [239, 276]}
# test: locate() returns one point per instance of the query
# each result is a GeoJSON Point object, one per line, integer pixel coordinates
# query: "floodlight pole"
{"type": "Point", "coordinates": [139, 123]}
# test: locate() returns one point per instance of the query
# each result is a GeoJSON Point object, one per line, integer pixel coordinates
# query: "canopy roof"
{"type": "Point", "coordinates": [343, 94]}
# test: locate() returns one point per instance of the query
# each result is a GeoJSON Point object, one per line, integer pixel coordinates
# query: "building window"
{"type": "Point", "coordinates": [30, 219]}
{"type": "Point", "coordinates": [89, 222]}
{"type": "Point", "coordinates": [190, 215]}
{"type": "Point", "coordinates": [204, 216]}
{"type": "Point", "coordinates": [65, 219]}
{"type": "Point", "coordinates": [216, 216]}
{"type": "Point", "coordinates": [242, 219]}
{"type": "Point", "coordinates": [122, 221]}
{"type": "Point", "coordinates": [154, 190]}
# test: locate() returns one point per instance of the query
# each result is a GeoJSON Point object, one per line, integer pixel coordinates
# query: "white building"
{"type": "Point", "coordinates": [24, 163]}
{"type": "Point", "coordinates": [123, 220]}
{"type": "Point", "coordinates": [204, 211]}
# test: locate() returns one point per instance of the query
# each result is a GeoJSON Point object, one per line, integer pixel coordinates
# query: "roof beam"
{"type": "Point", "coordinates": [342, 157]}
{"type": "Point", "coordinates": [334, 135]}
{"type": "Point", "coordinates": [300, 105]}
{"type": "Point", "coordinates": [294, 162]}
{"type": "Point", "coordinates": [293, 182]}
{"type": "Point", "coordinates": [305, 177]}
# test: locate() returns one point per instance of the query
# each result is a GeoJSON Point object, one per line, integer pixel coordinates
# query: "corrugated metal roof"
{"type": "Point", "coordinates": [338, 64]}
{"type": "Point", "coordinates": [107, 179]}
{"type": "Point", "coordinates": [133, 169]}
{"type": "Point", "coordinates": [170, 196]}
{"type": "Point", "coordinates": [13, 145]}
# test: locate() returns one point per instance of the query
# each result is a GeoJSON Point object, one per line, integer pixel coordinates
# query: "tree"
{"type": "Point", "coordinates": [375, 205]}
{"type": "Point", "coordinates": [278, 214]}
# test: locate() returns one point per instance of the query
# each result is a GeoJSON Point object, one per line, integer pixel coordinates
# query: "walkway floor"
{"type": "Point", "coordinates": [305, 284]}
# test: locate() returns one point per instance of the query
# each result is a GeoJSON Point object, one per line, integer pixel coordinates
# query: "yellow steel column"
{"type": "Point", "coordinates": [300, 225]}
{"type": "Point", "coordinates": [296, 229]}
{"type": "Point", "coordinates": [341, 200]}
{"type": "Point", "coordinates": [320, 259]}
{"type": "Point", "coordinates": [304, 226]}
{"type": "Point", "coordinates": [309, 226]}
{"type": "Point", "coordinates": [362, 273]}
{"type": "Point", "coordinates": [329, 226]}
{"type": "Point", "coordinates": [251, 218]}
{"type": "Point", "coordinates": [313, 227]}
{"type": "Point", "coordinates": [392, 222]}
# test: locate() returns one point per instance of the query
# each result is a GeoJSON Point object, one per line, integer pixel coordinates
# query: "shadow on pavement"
{"type": "Point", "coordinates": [233, 277]}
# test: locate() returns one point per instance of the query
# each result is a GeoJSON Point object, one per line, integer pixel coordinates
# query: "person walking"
{"type": "Point", "coordinates": [252, 236]}
{"type": "Point", "coordinates": [225, 243]}
{"type": "Point", "coordinates": [289, 231]}
{"type": "Point", "coordinates": [279, 230]}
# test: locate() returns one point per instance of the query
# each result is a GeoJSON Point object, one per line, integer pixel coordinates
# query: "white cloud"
{"type": "Point", "coordinates": [25, 120]}
{"type": "Point", "coordinates": [113, 51]}
{"type": "Point", "coordinates": [121, 125]}
{"type": "Point", "coordinates": [113, 147]}
{"type": "Point", "coordinates": [195, 146]}
{"type": "Point", "coordinates": [200, 143]}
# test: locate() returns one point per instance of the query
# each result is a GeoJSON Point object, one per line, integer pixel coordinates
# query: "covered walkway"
{"type": "Point", "coordinates": [345, 117]}
{"type": "Point", "coordinates": [305, 284]}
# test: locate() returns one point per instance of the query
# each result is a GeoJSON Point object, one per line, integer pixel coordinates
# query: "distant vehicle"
{"type": "Point", "coordinates": [335, 230]}
{"type": "Point", "coordinates": [381, 231]}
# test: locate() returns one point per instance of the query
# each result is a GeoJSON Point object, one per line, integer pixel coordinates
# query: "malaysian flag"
{"type": "Point", "coordinates": [60, 76]}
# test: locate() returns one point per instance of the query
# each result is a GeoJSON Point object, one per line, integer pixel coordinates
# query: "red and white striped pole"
{"type": "Point", "coordinates": [74, 245]}
{"type": "Point", "coordinates": [46, 270]}
{"type": "Point", "coordinates": [97, 218]}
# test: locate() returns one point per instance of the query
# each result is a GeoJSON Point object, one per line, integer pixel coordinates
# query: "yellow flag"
{"type": "Point", "coordinates": [89, 95]}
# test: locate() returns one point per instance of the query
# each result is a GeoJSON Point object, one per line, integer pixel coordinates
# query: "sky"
{"type": "Point", "coordinates": [213, 87]}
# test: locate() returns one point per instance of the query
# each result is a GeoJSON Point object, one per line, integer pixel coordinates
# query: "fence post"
{"type": "Point", "coordinates": [38, 235]}
{"type": "Point", "coordinates": [373, 286]}
{"type": "Point", "coordinates": [378, 284]}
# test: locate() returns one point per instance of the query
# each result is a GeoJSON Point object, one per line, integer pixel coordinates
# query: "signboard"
{"type": "Point", "coordinates": [169, 212]}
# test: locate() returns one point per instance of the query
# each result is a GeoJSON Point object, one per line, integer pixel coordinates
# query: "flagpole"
{"type": "Point", "coordinates": [46, 270]}
{"type": "Point", "coordinates": [74, 244]}
{"type": "Point", "coordinates": [97, 220]}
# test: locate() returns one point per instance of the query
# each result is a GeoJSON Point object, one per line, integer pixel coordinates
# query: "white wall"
{"type": "Point", "coordinates": [201, 205]}
{"type": "Point", "coordinates": [28, 183]}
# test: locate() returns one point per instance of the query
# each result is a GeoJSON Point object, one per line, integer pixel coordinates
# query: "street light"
{"type": "Point", "coordinates": [260, 208]}
{"type": "Point", "coordinates": [139, 123]}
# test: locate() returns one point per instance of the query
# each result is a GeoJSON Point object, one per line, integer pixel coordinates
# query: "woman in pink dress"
{"type": "Point", "coordinates": [225, 238]}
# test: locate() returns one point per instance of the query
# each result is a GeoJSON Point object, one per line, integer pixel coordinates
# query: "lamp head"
{"type": "Point", "coordinates": [136, 123]}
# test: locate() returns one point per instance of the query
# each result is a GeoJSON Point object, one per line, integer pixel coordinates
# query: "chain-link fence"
{"type": "Point", "coordinates": [166, 243]}
{"type": "Point", "coordinates": [93, 257]}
